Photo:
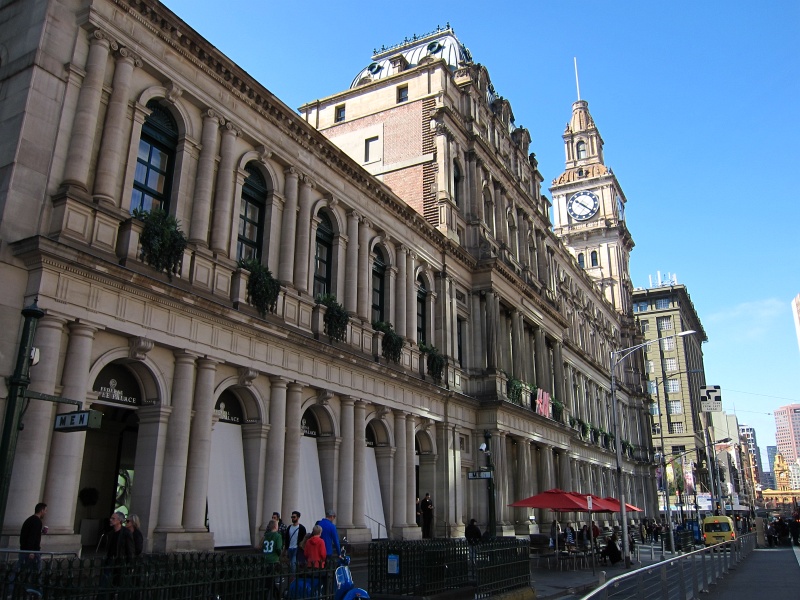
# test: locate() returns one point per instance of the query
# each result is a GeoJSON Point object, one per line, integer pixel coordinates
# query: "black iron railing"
{"type": "Point", "coordinates": [425, 567]}
{"type": "Point", "coordinates": [190, 576]}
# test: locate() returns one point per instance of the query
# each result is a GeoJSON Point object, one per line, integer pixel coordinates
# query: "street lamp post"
{"type": "Point", "coordinates": [617, 358]}
{"type": "Point", "coordinates": [490, 486]}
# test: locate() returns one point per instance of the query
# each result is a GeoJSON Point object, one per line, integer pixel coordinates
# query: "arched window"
{"type": "Point", "coordinates": [457, 184]}
{"type": "Point", "coordinates": [378, 286]}
{"type": "Point", "coordinates": [251, 214]}
{"type": "Point", "coordinates": [155, 162]}
{"type": "Point", "coordinates": [581, 261]}
{"type": "Point", "coordinates": [323, 258]}
{"type": "Point", "coordinates": [422, 325]}
{"type": "Point", "coordinates": [580, 150]}
{"type": "Point", "coordinates": [594, 258]}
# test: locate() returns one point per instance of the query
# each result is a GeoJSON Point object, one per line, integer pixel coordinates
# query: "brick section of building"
{"type": "Point", "coordinates": [430, 205]}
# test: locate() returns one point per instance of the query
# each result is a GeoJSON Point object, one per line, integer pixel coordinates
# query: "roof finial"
{"type": "Point", "coordinates": [577, 83]}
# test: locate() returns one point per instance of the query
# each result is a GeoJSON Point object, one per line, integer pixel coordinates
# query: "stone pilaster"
{"type": "Point", "coordinates": [288, 229]}
{"type": "Point", "coordinates": [364, 272]}
{"type": "Point", "coordinates": [303, 244]}
{"type": "Point", "coordinates": [344, 509]}
{"type": "Point", "coordinates": [201, 208]}
{"type": "Point", "coordinates": [273, 494]}
{"type": "Point", "coordinates": [291, 455]}
{"type": "Point", "coordinates": [400, 295]}
{"type": "Point", "coordinates": [223, 196]}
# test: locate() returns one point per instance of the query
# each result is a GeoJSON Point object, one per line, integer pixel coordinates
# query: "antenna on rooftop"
{"type": "Point", "coordinates": [577, 83]}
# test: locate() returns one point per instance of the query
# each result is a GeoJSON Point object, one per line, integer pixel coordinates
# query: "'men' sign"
{"type": "Point", "coordinates": [78, 421]}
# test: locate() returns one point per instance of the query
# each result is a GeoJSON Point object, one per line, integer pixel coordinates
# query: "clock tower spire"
{"type": "Point", "coordinates": [589, 210]}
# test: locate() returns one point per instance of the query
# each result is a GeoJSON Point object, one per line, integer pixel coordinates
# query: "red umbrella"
{"type": "Point", "coordinates": [554, 499]}
{"type": "Point", "coordinates": [628, 507]}
{"type": "Point", "coordinates": [598, 504]}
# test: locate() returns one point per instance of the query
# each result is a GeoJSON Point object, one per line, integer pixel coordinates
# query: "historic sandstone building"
{"type": "Point", "coordinates": [215, 415]}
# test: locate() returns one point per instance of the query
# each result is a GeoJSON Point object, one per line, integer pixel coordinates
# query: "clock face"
{"type": "Point", "coordinates": [583, 205]}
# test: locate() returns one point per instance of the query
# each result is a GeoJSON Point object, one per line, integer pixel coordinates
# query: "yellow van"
{"type": "Point", "coordinates": [717, 530]}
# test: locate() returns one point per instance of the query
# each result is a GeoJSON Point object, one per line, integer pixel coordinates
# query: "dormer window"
{"type": "Point", "coordinates": [580, 150]}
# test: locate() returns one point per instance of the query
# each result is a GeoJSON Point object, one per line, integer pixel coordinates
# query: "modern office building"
{"type": "Point", "coordinates": [675, 374]}
{"type": "Point", "coordinates": [424, 305]}
{"type": "Point", "coordinates": [772, 451]}
{"type": "Point", "coordinates": [796, 315]}
{"type": "Point", "coordinates": [748, 435]}
{"type": "Point", "coordinates": [787, 432]}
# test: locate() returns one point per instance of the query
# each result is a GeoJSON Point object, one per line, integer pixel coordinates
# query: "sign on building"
{"type": "Point", "coordinates": [80, 420]}
{"type": "Point", "coordinates": [710, 398]}
{"type": "Point", "coordinates": [479, 474]}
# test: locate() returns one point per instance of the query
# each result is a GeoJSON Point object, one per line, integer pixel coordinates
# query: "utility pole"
{"type": "Point", "coordinates": [490, 467]}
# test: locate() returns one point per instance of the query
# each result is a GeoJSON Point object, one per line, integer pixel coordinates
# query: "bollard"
{"type": "Point", "coordinates": [602, 578]}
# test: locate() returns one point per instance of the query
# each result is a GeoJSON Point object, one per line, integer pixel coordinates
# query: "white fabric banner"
{"type": "Point", "coordinates": [311, 503]}
{"type": "Point", "coordinates": [376, 520]}
{"type": "Point", "coordinates": [227, 494]}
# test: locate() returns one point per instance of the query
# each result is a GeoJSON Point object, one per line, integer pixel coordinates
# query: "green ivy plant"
{"type": "Point", "coordinates": [584, 428]}
{"type": "Point", "coordinates": [572, 421]}
{"type": "Point", "coordinates": [262, 287]}
{"type": "Point", "coordinates": [434, 361]}
{"type": "Point", "coordinates": [162, 241]}
{"type": "Point", "coordinates": [336, 318]}
{"type": "Point", "coordinates": [392, 341]}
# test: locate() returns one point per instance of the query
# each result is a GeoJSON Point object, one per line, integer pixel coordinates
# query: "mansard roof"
{"type": "Point", "coordinates": [441, 44]}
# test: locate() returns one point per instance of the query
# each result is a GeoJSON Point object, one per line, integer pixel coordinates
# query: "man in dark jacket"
{"type": "Point", "coordinates": [120, 548]}
{"type": "Point", "coordinates": [29, 561]}
{"type": "Point", "coordinates": [292, 540]}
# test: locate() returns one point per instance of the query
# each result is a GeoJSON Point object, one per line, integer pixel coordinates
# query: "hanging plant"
{"type": "Point", "coordinates": [584, 428]}
{"type": "Point", "coordinates": [572, 421]}
{"type": "Point", "coordinates": [558, 409]}
{"type": "Point", "coordinates": [162, 241]}
{"type": "Point", "coordinates": [392, 341]}
{"type": "Point", "coordinates": [514, 390]}
{"type": "Point", "coordinates": [434, 361]}
{"type": "Point", "coordinates": [262, 287]}
{"type": "Point", "coordinates": [336, 318]}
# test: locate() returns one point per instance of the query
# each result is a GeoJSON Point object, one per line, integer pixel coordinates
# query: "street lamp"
{"type": "Point", "coordinates": [615, 360]}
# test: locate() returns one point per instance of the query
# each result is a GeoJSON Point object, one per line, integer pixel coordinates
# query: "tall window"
{"type": "Point", "coordinates": [402, 94]}
{"type": "Point", "coordinates": [251, 214]}
{"type": "Point", "coordinates": [673, 386]}
{"type": "Point", "coordinates": [339, 113]}
{"type": "Point", "coordinates": [595, 262]}
{"type": "Point", "coordinates": [639, 306]}
{"type": "Point", "coordinates": [488, 212]}
{"type": "Point", "coordinates": [457, 184]}
{"type": "Point", "coordinates": [675, 407]}
{"type": "Point", "coordinates": [676, 428]}
{"type": "Point", "coordinates": [378, 282]}
{"type": "Point", "coordinates": [671, 364]}
{"type": "Point", "coordinates": [581, 260]}
{"type": "Point", "coordinates": [155, 162]}
{"type": "Point", "coordinates": [460, 324]}
{"type": "Point", "coordinates": [664, 323]}
{"type": "Point", "coordinates": [645, 325]}
{"type": "Point", "coordinates": [580, 149]}
{"type": "Point", "coordinates": [422, 295]}
{"type": "Point", "coordinates": [662, 302]}
{"type": "Point", "coordinates": [323, 256]}
{"type": "Point", "coordinates": [668, 343]}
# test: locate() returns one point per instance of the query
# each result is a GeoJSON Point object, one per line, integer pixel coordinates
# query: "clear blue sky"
{"type": "Point", "coordinates": [697, 103]}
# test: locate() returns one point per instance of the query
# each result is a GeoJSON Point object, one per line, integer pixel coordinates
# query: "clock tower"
{"type": "Point", "coordinates": [589, 210]}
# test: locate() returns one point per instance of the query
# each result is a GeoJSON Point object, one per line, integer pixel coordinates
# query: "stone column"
{"type": "Point", "coordinates": [84, 127]}
{"type": "Point", "coordinates": [344, 510]}
{"type": "Point", "coordinates": [558, 374]}
{"type": "Point", "coordinates": [223, 196]}
{"type": "Point", "coordinates": [303, 244]}
{"type": "Point", "coordinates": [542, 366]}
{"type": "Point", "coordinates": [359, 464]}
{"type": "Point", "coordinates": [291, 455]}
{"type": "Point", "coordinates": [492, 325]}
{"type": "Point", "coordinates": [149, 465]}
{"type": "Point", "coordinates": [28, 477]}
{"type": "Point", "coordinates": [522, 481]}
{"type": "Point", "coordinates": [364, 272]}
{"type": "Point", "coordinates": [273, 494]}
{"type": "Point", "coordinates": [518, 352]}
{"type": "Point", "coordinates": [288, 228]}
{"type": "Point", "coordinates": [400, 295]}
{"type": "Point", "coordinates": [384, 456]}
{"type": "Point", "coordinates": [113, 145]}
{"type": "Point", "coordinates": [201, 208]}
{"type": "Point", "coordinates": [177, 444]}
{"type": "Point", "coordinates": [566, 471]}
{"type": "Point", "coordinates": [194, 503]}
{"type": "Point", "coordinates": [411, 299]}
{"type": "Point", "coordinates": [254, 446]}
{"type": "Point", "coordinates": [399, 515]}
{"type": "Point", "coordinates": [66, 449]}
{"type": "Point", "coordinates": [411, 471]}
{"type": "Point", "coordinates": [351, 272]}
{"type": "Point", "coordinates": [476, 317]}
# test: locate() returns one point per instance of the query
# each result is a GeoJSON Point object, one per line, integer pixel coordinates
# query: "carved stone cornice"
{"type": "Point", "coordinates": [246, 376]}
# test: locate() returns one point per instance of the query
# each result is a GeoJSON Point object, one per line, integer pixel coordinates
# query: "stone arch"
{"type": "Point", "coordinates": [146, 371]}
{"type": "Point", "coordinates": [424, 440]}
{"type": "Point", "coordinates": [266, 168]}
{"type": "Point", "coordinates": [249, 397]}
{"type": "Point", "coordinates": [328, 424]}
{"type": "Point", "coordinates": [382, 432]}
{"type": "Point", "coordinates": [177, 107]}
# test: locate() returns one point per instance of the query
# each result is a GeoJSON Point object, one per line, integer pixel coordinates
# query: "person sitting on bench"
{"type": "Point", "coordinates": [612, 551]}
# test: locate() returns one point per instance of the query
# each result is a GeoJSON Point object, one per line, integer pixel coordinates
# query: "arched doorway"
{"type": "Point", "coordinates": [108, 474]}
{"type": "Point", "coordinates": [227, 488]}
{"type": "Point", "coordinates": [311, 503]}
{"type": "Point", "coordinates": [374, 506]}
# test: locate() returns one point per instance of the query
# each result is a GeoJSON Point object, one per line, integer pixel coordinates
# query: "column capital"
{"type": "Point", "coordinates": [125, 54]}
{"type": "Point", "coordinates": [291, 172]}
{"type": "Point", "coordinates": [99, 36]}
{"type": "Point", "coordinates": [308, 182]}
{"type": "Point", "coordinates": [230, 128]}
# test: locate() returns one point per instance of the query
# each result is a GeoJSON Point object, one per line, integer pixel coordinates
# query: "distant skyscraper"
{"type": "Point", "coordinates": [787, 431]}
{"type": "Point", "coordinates": [771, 452]}
{"type": "Point", "coordinates": [748, 433]}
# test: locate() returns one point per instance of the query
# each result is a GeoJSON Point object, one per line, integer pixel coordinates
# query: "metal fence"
{"type": "Point", "coordinates": [190, 576]}
{"type": "Point", "coordinates": [684, 577]}
{"type": "Point", "coordinates": [422, 568]}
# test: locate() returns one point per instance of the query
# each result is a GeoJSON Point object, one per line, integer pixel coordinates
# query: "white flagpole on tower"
{"type": "Point", "coordinates": [577, 83]}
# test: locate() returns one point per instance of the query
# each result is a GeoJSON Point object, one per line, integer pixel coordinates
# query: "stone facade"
{"type": "Point", "coordinates": [118, 104]}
